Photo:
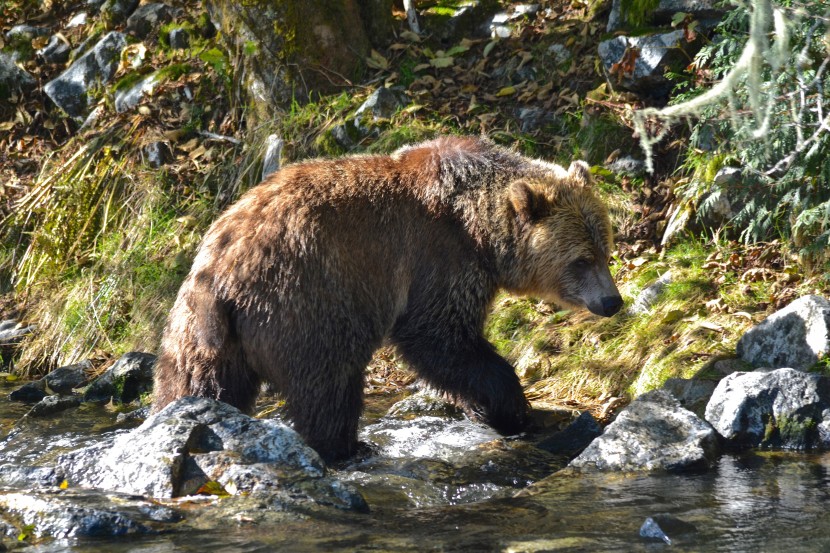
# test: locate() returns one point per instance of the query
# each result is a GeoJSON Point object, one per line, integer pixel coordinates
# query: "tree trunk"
{"type": "Point", "coordinates": [286, 50]}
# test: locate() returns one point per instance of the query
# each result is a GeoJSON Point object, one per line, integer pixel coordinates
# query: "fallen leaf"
{"type": "Point", "coordinates": [441, 62]}
{"type": "Point", "coordinates": [455, 50]}
{"type": "Point", "coordinates": [626, 64]}
{"type": "Point", "coordinates": [506, 91]}
{"type": "Point", "coordinates": [410, 36]}
{"type": "Point", "coordinates": [213, 488]}
{"type": "Point", "coordinates": [190, 145]}
{"type": "Point", "coordinates": [377, 61]}
{"type": "Point", "coordinates": [489, 47]}
{"type": "Point", "coordinates": [711, 326]}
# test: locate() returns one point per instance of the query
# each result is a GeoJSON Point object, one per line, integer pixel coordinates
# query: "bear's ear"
{"type": "Point", "coordinates": [528, 203]}
{"type": "Point", "coordinates": [579, 173]}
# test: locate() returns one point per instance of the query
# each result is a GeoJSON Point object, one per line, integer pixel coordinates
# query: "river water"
{"type": "Point", "coordinates": [761, 501]}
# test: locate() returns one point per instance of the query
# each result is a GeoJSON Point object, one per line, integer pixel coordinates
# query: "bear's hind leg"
{"type": "Point", "coordinates": [327, 410]}
{"type": "Point", "coordinates": [201, 355]}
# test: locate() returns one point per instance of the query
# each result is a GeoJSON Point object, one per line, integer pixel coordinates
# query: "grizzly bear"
{"type": "Point", "coordinates": [300, 281]}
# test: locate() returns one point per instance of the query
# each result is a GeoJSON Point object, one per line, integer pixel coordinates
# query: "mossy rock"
{"type": "Point", "coordinates": [126, 381]}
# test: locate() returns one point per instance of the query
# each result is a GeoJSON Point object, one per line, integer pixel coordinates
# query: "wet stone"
{"type": "Point", "coordinates": [139, 414]}
{"type": "Point", "coordinates": [51, 405]}
{"type": "Point", "coordinates": [31, 392]}
{"type": "Point", "coordinates": [194, 441]}
{"type": "Point", "coordinates": [782, 408]}
{"type": "Point", "coordinates": [653, 433]}
{"type": "Point", "coordinates": [64, 514]}
{"type": "Point", "coordinates": [12, 475]}
{"type": "Point", "coordinates": [125, 381]}
{"type": "Point", "coordinates": [423, 402]}
{"type": "Point", "coordinates": [65, 379]}
{"type": "Point", "coordinates": [575, 438]}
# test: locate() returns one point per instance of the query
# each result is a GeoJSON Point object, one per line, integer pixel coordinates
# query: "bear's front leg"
{"type": "Point", "coordinates": [477, 378]}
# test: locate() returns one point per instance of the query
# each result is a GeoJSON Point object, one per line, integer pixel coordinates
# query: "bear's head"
{"type": "Point", "coordinates": [564, 242]}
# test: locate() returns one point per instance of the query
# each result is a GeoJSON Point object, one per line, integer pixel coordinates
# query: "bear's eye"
{"type": "Point", "coordinates": [581, 264]}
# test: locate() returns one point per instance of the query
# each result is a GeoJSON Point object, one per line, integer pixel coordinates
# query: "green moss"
{"type": "Point", "coordinates": [637, 12]}
{"type": "Point", "coordinates": [173, 71]}
{"type": "Point", "coordinates": [127, 81]}
{"type": "Point", "coordinates": [798, 433]}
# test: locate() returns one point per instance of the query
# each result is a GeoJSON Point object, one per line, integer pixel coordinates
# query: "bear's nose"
{"type": "Point", "coordinates": [611, 304]}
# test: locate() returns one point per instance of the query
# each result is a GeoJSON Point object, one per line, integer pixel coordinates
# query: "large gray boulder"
{"type": "Point", "coordinates": [780, 408]}
{"type": "Point", "coordinates": [653, 433]}
{"type": "Point", "coordinates": [657, 53]}
{"type": "Point", "coordinates": [69, 90]}
{"type": "Point", "coordinates": [797, 336]}
{"type": "Point", "coordinates": [194, 441]}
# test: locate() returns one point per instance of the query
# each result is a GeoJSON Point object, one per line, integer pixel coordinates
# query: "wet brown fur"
{"type": "Point", "coordinates": [309, 272]}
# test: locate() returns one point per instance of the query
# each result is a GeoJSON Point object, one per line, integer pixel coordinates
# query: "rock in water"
{"type": "Point", "coordinates": [654, 432]}
{"type": "Point", "coordinates": [796, 337]}
{"type": "Point", "coordinates": [125, 381]}
{"type": "Point", "coordinates": [575, 438]}
{"type": "Point", "coordinates": [65, 379]}
{"type": "Point", "coordinates": [194, 441]}
{"type": "Point", "coordinates": [781, 408]}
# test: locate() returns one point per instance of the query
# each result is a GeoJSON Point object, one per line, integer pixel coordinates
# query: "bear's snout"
{"type": "Point", "coordinates": [611, 305]}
